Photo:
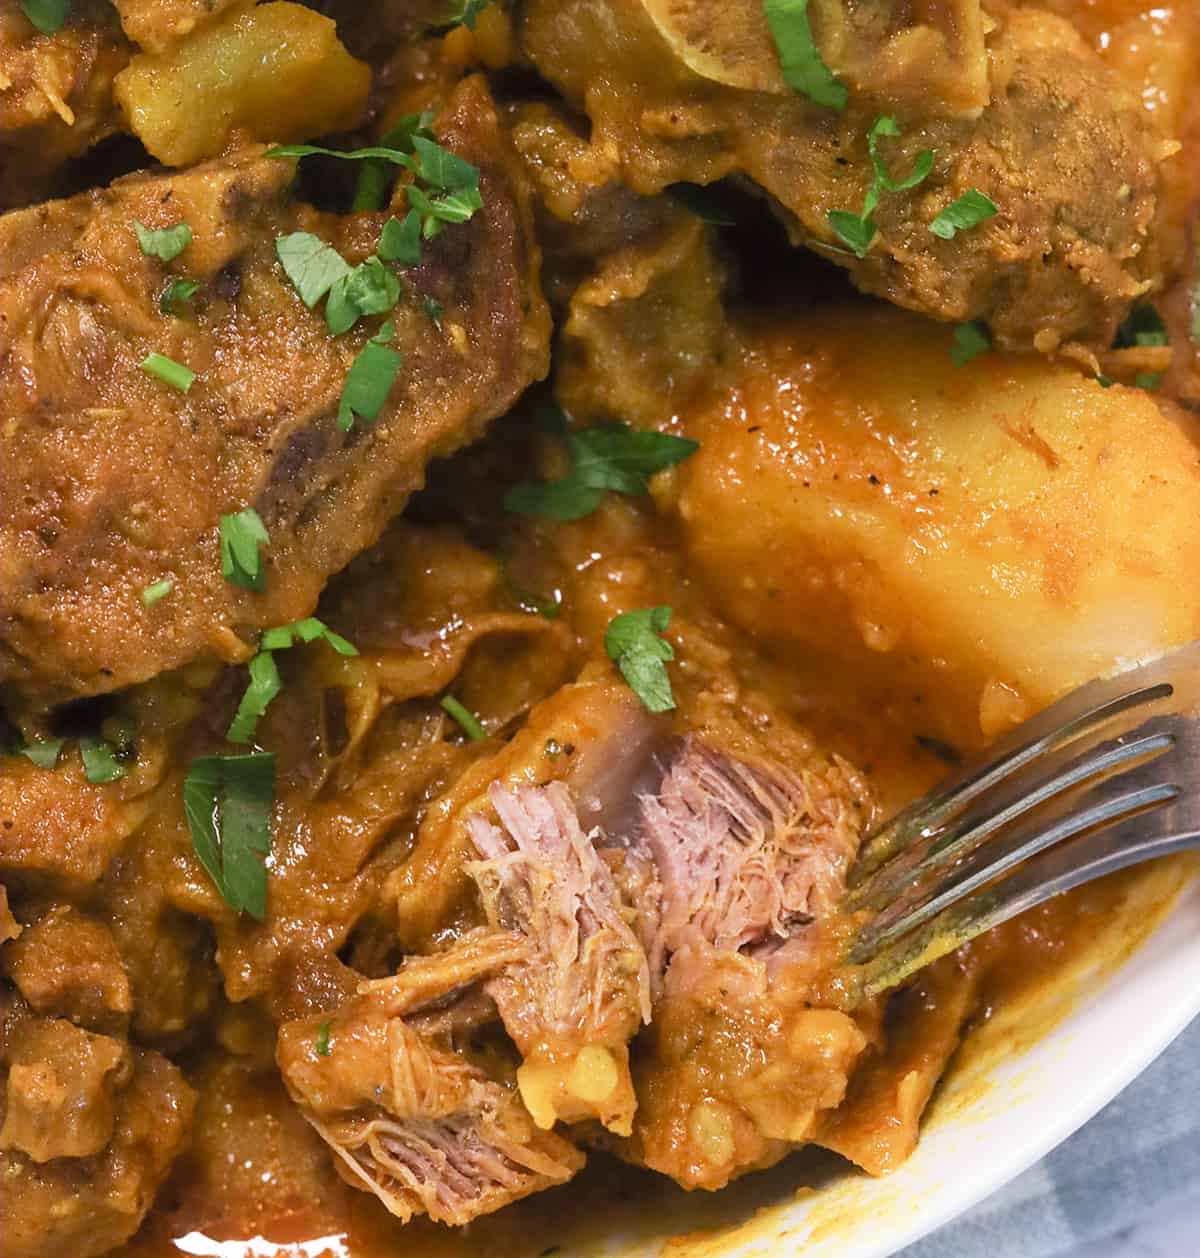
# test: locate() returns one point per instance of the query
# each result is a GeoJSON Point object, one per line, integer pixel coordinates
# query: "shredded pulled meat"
{"type": "Point", "coordinates": [573, 1006]}
{"type": "Point", "coordinates": [410, 1118]}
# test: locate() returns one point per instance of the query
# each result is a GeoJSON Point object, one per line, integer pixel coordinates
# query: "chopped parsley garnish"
{"type": "Point", "coordinates": [804, 69]}
{"type": "Point", "coordinates": [466, 719]}
{"type": "Point", "coordinates": [433, 308]}
{"type": "Point", "coordinates": [370, 288]}
{"type": "Point", "coordinates": [227, 801]}
{"type": "Point", "coordinates": [970, 340]}
{"type": "Point", "coordinates": [308, 630]}
{"type": "Point", "coordinates": [45, 752]}
{"type": "Point", "coordinates": [264, 686]}
{"type": "Point", "coordinates": [858, 230]}
{"type": "Point", "coordinates": [1143, 328]}
{"type": "Point", "coordinates": [375, 176]}
{"type": "Point", "coordinates": [163, 243]}
{"type": "Point", "coordinates": [100, 764]}
{"type": "Point", "coordinates": [466, 12]}
{"type": "Point", "coordinates": [633, 644]}
{"type": "Point", "coordinates": [49, 16]}
{"type": "Point", "coordinates": [169, 371]}
{"type": "Point", "coordinates": [400, 240]}
{"type": "Point", "coordinates": [971, 209]}
{"type": "Point", "coordinates": [264, 673]}
{"type": "Point", "coordinates": [322, 1040]}
{"type": "Point", "coordinates": [451, 196]}
{"type": "Point", "coordinates": [176, 294]}
{"type": "Point", "coordinates": [456, 180]}
{"type": "Point", "coordinates": [157, 592]}
{"type": "Point", "coordinates": [313, 266]}
{"type": "Point", "coordinates": [605, 456]}
{"type": "Point", "coordinates": [370, 379]}
{"type": "Point", "coordinates": [241, 535]}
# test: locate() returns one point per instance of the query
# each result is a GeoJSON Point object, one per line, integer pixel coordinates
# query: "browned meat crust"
{"type": "Point", "coordinates": [112, 481]}
{"type": "Point", "coordinates": [90, 1127]}
{"type": "Point", "coordinates": [1063, 147]}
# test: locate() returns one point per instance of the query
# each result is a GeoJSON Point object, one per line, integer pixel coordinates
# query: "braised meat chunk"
{"type": "Point", "coordinates": [90, 1128]}
{"type": "Point", "coordinates": [410, 1118]}
{"type": "Point", "coordinates": [1058, 143]}
{"type": "Point", "coordinates": [142, 472]}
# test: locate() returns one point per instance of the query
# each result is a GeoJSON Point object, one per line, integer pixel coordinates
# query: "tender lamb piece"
{"type": "Point", "coordinates": [746, 1049]}
{"type": "Point", "coordinates": [157, 24]}
{"type": "Point", "coordinates": [89, 1129]}
{"type": "Point", "coordinates": [67, 964]}
{"type": "Point", "coordinates": [55, 93]}
{"type": "Point", "coordinates": [111, 480]}
{"type": "Point", "coordinates": [574, 1004]}
{"type": "Point", "coordinates": [1032, 117]}
{"type": "Point", "coordinates": [749, 856]}
{"type": "Point", "coordinates": [409, 1118]}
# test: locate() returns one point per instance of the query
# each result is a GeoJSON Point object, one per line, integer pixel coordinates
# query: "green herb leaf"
{"type": "Point", "coordinates": [971, 209]}
{"type": "Point", "coordinates": [400, 240]}
{"type": "Point", "coordinates": [45, 752]}
{"type": "Point", "coordinates": [157, 592]}
{"type": "Point", "coordinates": [441, 168]}
{"type": "Point", "coordinates": [883, 182]}
{"type": "Point", "coordinates": [163, 243]}
{"type": "Point", "coordinates": [227, 801]}
{"type": "Point", "coordinates": [176, 294]}
{"type": "Point", "coordinates": [605, 456]}
{"type": "Point", "coordinates": [370, 379]}
{"type": "Point", "coordinates": [371, 288]}
{"type": "Point", "coordinates": [615, 456]}
{"type": "Point", "coordinates": [264, 686]}
{"type": "Point", "coordinates": [854, 232]}
{"type": "Point", "coordinates": [308, 630]}
{"type": "Point", "coordinates": [49, 16]}
{"type": "Point", "coordinates": [100, 765]}
{"type": "Point", "coordinates": [970, 340]}
{"type": "Point", "coordinates": [379, 151]}
{"type": "Point", "coordinates": [265, 683]}
{"type": "Point", "coordinates": [433, 308]}
{"type": "Point", "coordinates": [804, 69]}
{"type": "Point", "coordinates": [858, 230]}
{"type": "Point", "coordinates": [465, 718]}
{"type": "Point", "coordinates": [313, 266]}
{"type": "Point", "coordinates": [707, 203]}
{"type": "Point", "coordinates": [322, 1040]}
{"type": "Point", "coordinates": [466, 12]}
{"type": "Point", "coordinates": [375, 177]}
{"type": "Point", "coordinates": [241, 536]}
{"type": "Point", "coordinates": [168, 371]}
{"type": "Point", "coordinates": [633, 644]}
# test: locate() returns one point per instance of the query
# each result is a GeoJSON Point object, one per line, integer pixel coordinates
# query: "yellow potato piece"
{"type": "Point", "coordinates": [276, 72]}
{"type": "Point", "coordinates": [969, 541]}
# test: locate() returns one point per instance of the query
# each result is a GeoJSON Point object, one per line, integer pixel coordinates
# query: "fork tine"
{"type": "Point", "coordinates": [1052, 873]}
{"type": "Point", "coordinates": [1104, 804]}
{"type": "Point", "coordinates": [1081, 712]}
{"type": "Point", "coordinates": [1062, 771]}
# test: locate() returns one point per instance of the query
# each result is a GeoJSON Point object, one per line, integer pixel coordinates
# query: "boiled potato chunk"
{"type": "Point", "coordinates": [976, 540]}
{"type": "Point", "coordinates": [276, 72]}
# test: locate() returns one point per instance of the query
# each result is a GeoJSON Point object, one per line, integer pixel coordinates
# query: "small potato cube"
{"type": "Point", "coordinates": [277, 72]}
{"type": "Point", "coordinates": [969, 541]}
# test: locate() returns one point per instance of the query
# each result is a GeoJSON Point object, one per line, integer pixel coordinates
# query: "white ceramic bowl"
{"type": "Point", "coordinates": [1050, 1066]}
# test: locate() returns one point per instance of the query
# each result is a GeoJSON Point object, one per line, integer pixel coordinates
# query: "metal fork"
{"type": "Point", "coordinates": [1105, 778]}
